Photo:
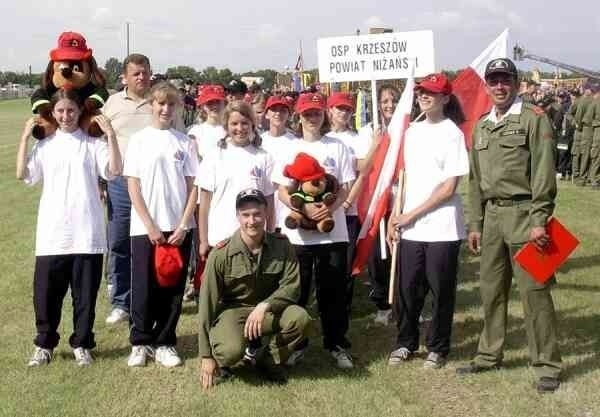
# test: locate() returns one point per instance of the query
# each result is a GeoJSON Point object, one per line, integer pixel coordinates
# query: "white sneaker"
{"type": "Point", "coordinates": [343, 358]}
{"type": "Point", "coordinates": [139, 355]}
{"type": "Point", "coordinates": [296, 357]}
{"type": "Point", "coordinates": [40, 356]}
{"type": "Point", "coordinates": [434, 361]}
{"type": "Point", "coordinates": [383, 317]}
{"type": "Point", "coordinates": [167, 356]}
{"type": "Point", "coordinates": [399, 356]}
{"type": "Point", "coordinates": [83, 357]}
{"type": "Point", "coordinates": [117, 315]}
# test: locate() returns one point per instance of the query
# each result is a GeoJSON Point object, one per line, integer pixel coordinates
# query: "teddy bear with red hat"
{"type": "Point", "coordinates": [71, 66]}
{"type": "Point", "coordinates": [311, 185]}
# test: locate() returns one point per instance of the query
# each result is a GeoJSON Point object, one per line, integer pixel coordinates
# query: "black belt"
{"type": "Point", "coordinates": [509, 202]}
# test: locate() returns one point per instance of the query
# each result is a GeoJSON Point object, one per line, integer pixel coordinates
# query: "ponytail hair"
{"type": "Point", "coordinates": [453, 110]}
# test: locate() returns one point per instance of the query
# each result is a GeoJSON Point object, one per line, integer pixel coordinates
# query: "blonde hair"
{"type": "Point", "coordinates": [245, 109]}
{"type": "Point", "coordinates": [165, 90]}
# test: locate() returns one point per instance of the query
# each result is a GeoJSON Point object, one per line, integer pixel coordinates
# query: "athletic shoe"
{"type": "Point", "coordinates": [117, 315]}
{"type": "Point", "coordinates": [399, 356]}
{"type": "Point", "coordinates": [296, 357]}
{"type": "Point", "coordinates": [191, 294]}
{"type": "Point", "coordinates": [251, 354]}
{"type": "Point", "coordinates": [167, 356]}
{"type": "Point", "coordinates": [40, 356]}
{"type": "Point", "coordinates": [139, 355]}
{"type": "Point", "coordinates": [383, 317]}
{"type": "Point", "coordinates": [342, 358]}
{"type": "Point", "coordinates": [83, 357]}
{"type": "Point", "coordinates": [434, 361]}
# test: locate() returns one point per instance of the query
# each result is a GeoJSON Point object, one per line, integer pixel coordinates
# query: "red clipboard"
{"type": "Point", "coordinates": [542, 264]}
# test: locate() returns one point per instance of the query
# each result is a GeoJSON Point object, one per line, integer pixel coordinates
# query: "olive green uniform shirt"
{"type": "Point", "coordinates": [234, 277]}
{"type": "Point", "coordinates": [513, 159]}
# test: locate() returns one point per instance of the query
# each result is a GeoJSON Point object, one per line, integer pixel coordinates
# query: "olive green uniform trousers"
{"type": "Point", "coordinates": [505, 228]}
{"type": "Point", "coordinates": [287, 330]}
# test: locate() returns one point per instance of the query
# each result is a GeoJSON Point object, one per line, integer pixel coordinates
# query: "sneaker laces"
{"type": "Point", "coordinates": [41, 354]}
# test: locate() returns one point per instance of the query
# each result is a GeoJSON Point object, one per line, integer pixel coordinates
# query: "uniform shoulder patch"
{"type": "Point", "coordinates": [222, 244]}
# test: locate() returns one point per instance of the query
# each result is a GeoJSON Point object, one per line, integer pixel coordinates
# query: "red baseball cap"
{"type": "Point", "coordinates": [208, 93]}
{"type": "Point", "coordinates": [310, 101]}
{"type": "Point", "coordinates": [339, 99]}
{"type": "Point", "coordinates": [304, 168]}
{"type": "Point", "coordinates": [435, 83]}
{"type": "Point", "coordinates": [277, 101]}
{"type": "Point", "coordinates": [168, 265]}
{"type": "Point", "coordinates": [71, 47]}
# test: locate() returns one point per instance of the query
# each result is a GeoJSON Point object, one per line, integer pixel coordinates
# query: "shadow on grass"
{"type": "Point", "coordinates": [580, 262]}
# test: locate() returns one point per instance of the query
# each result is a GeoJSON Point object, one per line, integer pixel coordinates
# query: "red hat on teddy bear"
{"type": "Point", "coordinates": [71, 47]}
{"type": "Point", "coordinates": [304, 168]}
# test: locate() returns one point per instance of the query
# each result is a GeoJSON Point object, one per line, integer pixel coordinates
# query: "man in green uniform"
{"type": "Point", "coordinates": [250, 289]}
{"type": "Point", "coordinates": [592, 120]}
{"type": "Point", "coordinates": [512, 186]}
{"type": "Point", "coordinates": [575, 147]}
{"type": "Point", "coordinates": [586, 132]}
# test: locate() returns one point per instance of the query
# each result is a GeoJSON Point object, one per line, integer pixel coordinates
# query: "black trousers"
{"type": "Point", "coordinates": [424, 267]}
{"type": "Point", "coordinates": [52, 278]}
{"type": "Point", "coordinates": [329, 263]}
{"type": "Point", "coordinates": [353, 226]}
{"type": "Point", "coordinates": [379, 275]}
{"type": "Point", "coordinates": [155, 310]}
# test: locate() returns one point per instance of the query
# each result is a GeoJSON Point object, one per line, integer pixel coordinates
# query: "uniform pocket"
{"type": "Point", "coordinates": [481, 143]}
{"type": "Point", "coordinates": [514, 153]}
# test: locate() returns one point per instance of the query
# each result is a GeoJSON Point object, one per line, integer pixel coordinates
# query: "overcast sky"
{"type": "Point", "coordinates": [265, 34]}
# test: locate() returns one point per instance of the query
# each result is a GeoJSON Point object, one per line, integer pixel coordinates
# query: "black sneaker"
{"type": "Point", "coordinates": [224, 375]}
{"type": "Point", "coordinates": [547, 384]}
{"type": "Point", "coordinates": [473, 368]}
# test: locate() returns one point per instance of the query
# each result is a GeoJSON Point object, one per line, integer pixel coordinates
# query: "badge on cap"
{"type": "Point", "coordinates": [499, 64]}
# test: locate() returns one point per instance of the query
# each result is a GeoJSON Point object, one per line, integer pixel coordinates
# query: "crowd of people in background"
{"type": "Point", "coordinates": [190, 157]}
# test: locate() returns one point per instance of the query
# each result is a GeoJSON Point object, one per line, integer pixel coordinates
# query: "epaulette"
{"type": "Point", "coordinates": [222, 243]}
{"type": "Point", "coordinates": [537, 110]}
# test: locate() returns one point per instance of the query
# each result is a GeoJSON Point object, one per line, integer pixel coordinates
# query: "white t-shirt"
{"type": "Point", "coordinates": [433, 153]}
{"type": "Point", "coordinates": [207, 136]}
{"type": "Point", "coordinates": [161, 159]}
{"type": "Point", "coordinates": [358, 147]}
{"type": "Point", "coordinates": [70, 214]}
{"type": "Point", "coordinates": [277, 147]}
{"type": "Point", "coordinates": [225, 173]}
{"type": "Point", "coordinates": [335, 158]}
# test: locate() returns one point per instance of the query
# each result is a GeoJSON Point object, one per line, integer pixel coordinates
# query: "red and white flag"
{"type": "Point", "coordinates": [469, 85]}
{"type": "Point", "coordinates": [388, 159]}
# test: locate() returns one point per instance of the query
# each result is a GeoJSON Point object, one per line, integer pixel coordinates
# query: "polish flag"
{"type": "Point", "coordinates": [388, 159]}
{"type": "Point", "coordinates": [469, 85]}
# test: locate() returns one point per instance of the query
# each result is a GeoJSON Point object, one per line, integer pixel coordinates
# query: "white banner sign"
{"type": "Point", "coordinates": [375, 57]}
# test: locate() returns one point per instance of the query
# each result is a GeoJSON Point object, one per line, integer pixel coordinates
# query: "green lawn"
{"type": "Point", "coordinates": [316, 388]}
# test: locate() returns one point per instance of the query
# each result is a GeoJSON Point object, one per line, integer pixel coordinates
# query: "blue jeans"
{"type": "Point", "coordinates": [119, 247]}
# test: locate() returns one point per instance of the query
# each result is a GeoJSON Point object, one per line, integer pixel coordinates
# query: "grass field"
{"type": "Point", "coordinates": [316, 388]}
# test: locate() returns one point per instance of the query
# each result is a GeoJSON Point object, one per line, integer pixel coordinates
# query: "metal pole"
{"type": "Point", "coordinates": [127, 24]}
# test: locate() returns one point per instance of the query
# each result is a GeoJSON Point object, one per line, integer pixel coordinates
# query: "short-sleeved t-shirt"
{"type": "Point", "coordinates": [358, 147]}
{"type": "Point", "coordinates": [335, 158]}
{"type": "Point", "coordinates": [277, 147]}
{"type": "Point", "coordinates": [433, 153]}
{"type": "Point", "coordinates": [70, 214]}
{"type": "Point", "coordinates": [161, 159]}
{"type": "Point", "coordinates": [225, 172]}
{"type": "Point", "coordinates": [207, 136]}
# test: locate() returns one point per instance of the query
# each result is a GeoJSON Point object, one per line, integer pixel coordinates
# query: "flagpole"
{"type": "Point", "coordinates": [302, 86]}
{"type": "Point", "coordinates": [396, 211]}
{"type": "Point", "coordinates": [382, 243]}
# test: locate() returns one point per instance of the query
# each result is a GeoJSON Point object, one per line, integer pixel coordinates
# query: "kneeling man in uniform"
{"type": "Point", "coordinates": [249, 291]}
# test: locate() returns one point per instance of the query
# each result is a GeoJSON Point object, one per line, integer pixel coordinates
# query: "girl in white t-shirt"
{"type": "Point", "coordinates": [235, 164]}
{"type": "Point", "coordinates": [70, 237]}
{"type": "Point", "coordinates": [207, 133]}
{"type": "Point", "coordinates": [160, 166]}
{"type": "Point", "coordinates": [379, 269]}
{"type": "Point", "coordinates": [431, 224]}
{"type": "Point", "coordinates": [323, 253]}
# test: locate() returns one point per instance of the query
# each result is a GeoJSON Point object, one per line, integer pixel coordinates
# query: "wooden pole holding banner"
{"type": "Point", "coordinates": [397, 210]}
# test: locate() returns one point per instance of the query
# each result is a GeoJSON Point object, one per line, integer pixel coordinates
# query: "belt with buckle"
{"type": "Point", "coordinates": [503, 202]}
